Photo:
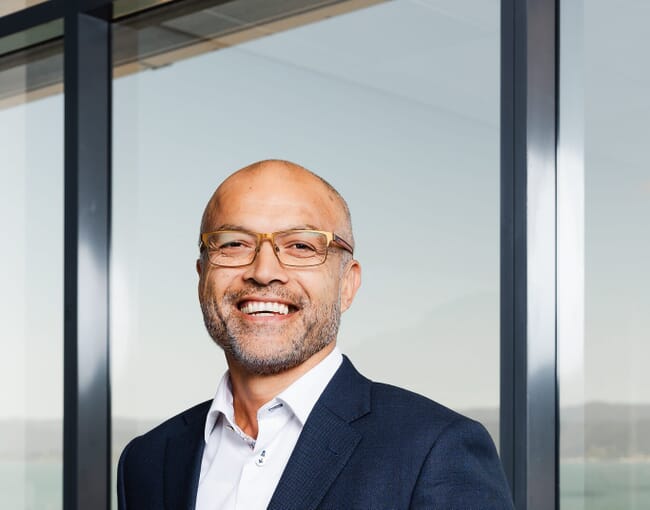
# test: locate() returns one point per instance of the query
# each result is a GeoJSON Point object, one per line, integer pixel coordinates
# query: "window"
{"type": "Point", "coordinates": [31, 271]}
{"type": "Point", "coordinates": [406, 127]}
{"type": "Point", "coordinates": [604, 191]}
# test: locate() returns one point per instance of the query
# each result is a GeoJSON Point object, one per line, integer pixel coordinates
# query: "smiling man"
{"type": "Point", "coordinates": [293, 425]}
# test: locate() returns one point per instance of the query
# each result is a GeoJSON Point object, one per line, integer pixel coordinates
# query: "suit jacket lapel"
{"type": "Point", "coordinates": [183, 463]}
{"type": "Point", "coordinates": [326, 442]}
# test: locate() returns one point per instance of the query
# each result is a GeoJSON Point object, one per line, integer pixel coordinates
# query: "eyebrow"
{"type": "Point", "coordinates": [230, 226]}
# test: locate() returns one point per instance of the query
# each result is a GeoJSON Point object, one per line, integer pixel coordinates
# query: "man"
{"type": "Point", "coordinates": [293, 425]}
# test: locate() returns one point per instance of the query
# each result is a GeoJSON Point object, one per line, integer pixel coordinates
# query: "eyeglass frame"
{"type": "Point", "coordinates": [332, 239]}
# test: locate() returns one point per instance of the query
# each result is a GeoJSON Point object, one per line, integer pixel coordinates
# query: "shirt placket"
{"type": "Point", "coordinates": [256, 471]}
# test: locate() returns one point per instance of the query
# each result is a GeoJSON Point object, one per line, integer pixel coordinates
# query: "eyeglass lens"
{"type": "Point", "coordinates": [293, 248]}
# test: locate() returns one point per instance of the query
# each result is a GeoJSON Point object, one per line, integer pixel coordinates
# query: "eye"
{"type": "Point", "coordinates": [298, 250]}
{"type": "Point", "coordinates": [301, 244]}
{"type": "Point", "coordinates": [301, 247]}
{"type": "Point", "coordinates": [231, 244]}
{"type": "Point", "coordinates": [235, 246]}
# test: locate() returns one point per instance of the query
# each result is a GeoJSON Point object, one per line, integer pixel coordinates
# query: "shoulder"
{"type": "Point", "coordinates": [178, 422]}
{"type": "Point", "coordinates": [446, 460]}
{"type": "Point", "coordinates": [389, 398]}
{"type": "Point", "coordinates": [390, 409]}
{"type": "Point", "coordinates": [410, 414]}
{"type": "Point", "coordinates": [140, 471]}
{"type": "Point", "coordinates": [458, 465]}
{"type": "Point", "coordinates": [148, 444]}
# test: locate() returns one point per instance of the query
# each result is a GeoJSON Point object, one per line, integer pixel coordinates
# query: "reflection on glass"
{"type": "Point", "coordinates": [30, 38]}
{"type": "Point", "coordinates": [8, 6]}
{"type": "Point", "coordinates": [605, 424]}
{"type": "Point", "coordinates": [406, 127]}
{"type": "Point", "coordinates": [126, 7]}
{"type": "Point", "coordinates": [35, 72]}
{"type": "Point", "coordinates": [31, 293]}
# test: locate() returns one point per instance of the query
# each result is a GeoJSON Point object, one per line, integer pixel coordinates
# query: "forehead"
{"type": "Point", "coordinates": [271, 201]}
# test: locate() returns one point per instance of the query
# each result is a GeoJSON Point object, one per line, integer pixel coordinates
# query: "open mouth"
{"type": "Point", "coordinates": [265, 308]}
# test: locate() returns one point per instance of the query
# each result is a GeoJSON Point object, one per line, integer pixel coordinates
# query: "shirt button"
{"type": "Point", "coordinates": [261, 459]}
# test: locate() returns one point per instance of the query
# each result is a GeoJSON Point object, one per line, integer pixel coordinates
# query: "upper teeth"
{"type": "Point", "coordinates": [260, 306]}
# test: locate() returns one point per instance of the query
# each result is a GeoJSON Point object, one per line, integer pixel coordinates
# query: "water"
{"type": "Point", "coordinates": [605, 485]}
{"type": "Point", "coordinates": [34, 485]}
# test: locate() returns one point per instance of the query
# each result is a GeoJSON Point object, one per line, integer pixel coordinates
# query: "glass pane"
{"type": "Point", "coordinates": [404, 121]}
{"type": "Point", "coordinates": [34, 36]}
{"type": "Point", "coordinates": [604, 380]}
{"type": "Point", "coordinates": [31, 293]}
{"type": "Point", "coordinates": [35, 72]}
{"type": "Point", "coordinates": [8, 6]}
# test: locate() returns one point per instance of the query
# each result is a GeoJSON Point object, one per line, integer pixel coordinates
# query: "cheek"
{"type": "Point", "coordinates": [213, 284]}
{"type": "Point", "coordinates": [323, 288]}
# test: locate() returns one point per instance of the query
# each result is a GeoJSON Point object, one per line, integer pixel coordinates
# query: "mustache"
{"type": "Point", "coordinates": [277, 291]}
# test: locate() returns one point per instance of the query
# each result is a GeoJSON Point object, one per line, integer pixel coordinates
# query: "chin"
{"type": "Point", "coordinates": [272, 361]}
{"type": "Point", "coordinates": [266, 365]}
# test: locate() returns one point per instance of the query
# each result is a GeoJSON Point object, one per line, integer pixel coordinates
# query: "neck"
{"type": "Point", "coordinates": [251, 391]}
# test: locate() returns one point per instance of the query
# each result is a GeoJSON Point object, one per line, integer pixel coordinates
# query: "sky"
{"type": "Point", "coordinates": [397, 105]}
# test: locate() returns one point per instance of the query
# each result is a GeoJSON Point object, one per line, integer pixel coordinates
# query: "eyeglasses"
{"type": "Point", "coordinates": [294, 248]}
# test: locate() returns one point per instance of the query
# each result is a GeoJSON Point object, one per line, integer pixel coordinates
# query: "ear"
{"type": "Point", "coordinates": [200, 285]}
{"type": "Point", "coordinates": [350, 283]}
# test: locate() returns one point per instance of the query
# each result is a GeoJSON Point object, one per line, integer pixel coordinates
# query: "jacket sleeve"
{"type": "Point", "coordinates": [462, 471]}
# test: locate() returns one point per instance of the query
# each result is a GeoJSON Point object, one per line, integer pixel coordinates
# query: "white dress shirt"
{"type": "Point", "coordinates": [241, 473]}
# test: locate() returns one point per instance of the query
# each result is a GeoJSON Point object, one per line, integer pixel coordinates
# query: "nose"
{"type": "Point", "coordinates": [266, 267]}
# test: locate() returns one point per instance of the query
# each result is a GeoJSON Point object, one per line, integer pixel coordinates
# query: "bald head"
{"type": "Point", "coordinates": [271, 184]}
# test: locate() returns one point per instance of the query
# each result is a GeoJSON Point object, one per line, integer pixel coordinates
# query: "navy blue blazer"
{"type": "Point", "coordinates": [364, 446]}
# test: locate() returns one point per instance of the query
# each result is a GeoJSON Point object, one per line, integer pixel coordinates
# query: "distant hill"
{"type": "Point", "coordinates": [43, 439]}
{"type": "Point", "coordinates": [606, 431]}
{"type": "Point", "coordinates": [599, 431]}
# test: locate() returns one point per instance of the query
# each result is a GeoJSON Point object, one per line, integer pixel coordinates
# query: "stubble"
{"type": "Point", "coordinates": [248, 343]}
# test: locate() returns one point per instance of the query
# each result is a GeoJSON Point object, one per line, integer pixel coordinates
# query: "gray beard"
{"type": "Point", "coordinates": [321, 329]}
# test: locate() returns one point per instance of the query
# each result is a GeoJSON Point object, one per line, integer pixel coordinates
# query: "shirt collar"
{"type": "Point", "coordinates": [303, 393]}
{"type": "Point", "coordinates": [300, 396]}
{"type": "Point", "coordinates": [221, 404]}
